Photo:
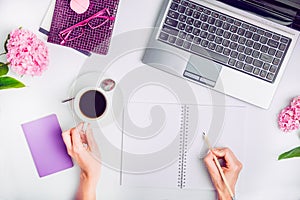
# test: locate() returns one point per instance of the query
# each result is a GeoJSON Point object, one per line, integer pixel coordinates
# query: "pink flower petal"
{"type": "Point", "coordinates": [26, 53]}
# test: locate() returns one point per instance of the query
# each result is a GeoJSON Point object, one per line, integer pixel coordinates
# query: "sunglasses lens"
{"type": "Point", "coordinates": [97, 22]}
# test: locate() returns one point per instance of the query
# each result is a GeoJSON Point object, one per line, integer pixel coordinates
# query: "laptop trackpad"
{"type": "Point", "coordinates": [202, 70]}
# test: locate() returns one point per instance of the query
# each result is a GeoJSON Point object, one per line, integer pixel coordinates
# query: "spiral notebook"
{"type": "Point", "coordinates": [92, 40]}
{"type": "Point", "coordinates": [163, 145]}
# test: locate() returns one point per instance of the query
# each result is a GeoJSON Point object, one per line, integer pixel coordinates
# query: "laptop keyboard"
{"type": "Point", "coordinates": [232, 42]}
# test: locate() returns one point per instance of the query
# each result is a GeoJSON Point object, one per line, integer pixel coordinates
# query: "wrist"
{"type": "Point", "coordinates": [88, 180]}
{"type": "Point", "coordinates": [87, 188]}
{"type": "Point", "coordinates": [223, 195]}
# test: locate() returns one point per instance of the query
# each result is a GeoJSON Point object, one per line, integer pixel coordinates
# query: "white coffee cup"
{"type": "Point", "coordinates": [90, 104]}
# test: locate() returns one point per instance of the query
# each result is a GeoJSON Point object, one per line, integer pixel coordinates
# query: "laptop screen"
{"type": "Point", "coordinates": [291, 3]}
{"type": "Point", "coordinates": [285, 12]}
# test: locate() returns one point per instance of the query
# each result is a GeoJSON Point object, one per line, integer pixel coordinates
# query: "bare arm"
{"type": "Point", "coordinates": [75, 141]}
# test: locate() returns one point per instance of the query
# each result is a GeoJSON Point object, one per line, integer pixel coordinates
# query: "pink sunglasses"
{"type": "Point", "coordinates": [94, 22]}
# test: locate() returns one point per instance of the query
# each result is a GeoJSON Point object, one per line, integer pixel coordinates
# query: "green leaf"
{"type": "Point", "coordinates": [290, 154]}
{"type": "Point", "coordinates": [9, 82]}
{"type": "Point", "coordinates": [3, 69]}
{"type": "Point", "coordinates": [6, 41]}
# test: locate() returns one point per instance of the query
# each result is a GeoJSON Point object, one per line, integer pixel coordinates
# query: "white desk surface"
{"type": "Point", "coordinates": [264, 177]}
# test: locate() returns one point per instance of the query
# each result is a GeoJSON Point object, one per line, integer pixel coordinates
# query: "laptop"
{"type": "Point", "coordinates": [239, 52]}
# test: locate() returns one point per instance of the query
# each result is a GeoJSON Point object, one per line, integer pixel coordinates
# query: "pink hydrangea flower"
{"type": "Point", "coordinates": [26, 53]}
{"type": "Point", "coordinates": [287, 120]}
{"type": "Point", "coordinates": [295, 104]}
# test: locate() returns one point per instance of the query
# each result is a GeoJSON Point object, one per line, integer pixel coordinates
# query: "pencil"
{"type": "Point", "coordinates": [219, 167]}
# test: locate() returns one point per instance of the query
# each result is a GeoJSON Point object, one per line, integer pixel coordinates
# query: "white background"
{"type": "Point", "coordinates": [263, 176]}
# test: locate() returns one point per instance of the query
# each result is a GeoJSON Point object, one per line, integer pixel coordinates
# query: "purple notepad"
{"type": "Point", "coordinates": [93, 40]}
{"type": "Point", "coordinates": [44, 138]}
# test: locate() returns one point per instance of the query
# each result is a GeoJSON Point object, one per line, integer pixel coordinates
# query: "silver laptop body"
{"type": "Point", "coordinates": [198, 68]}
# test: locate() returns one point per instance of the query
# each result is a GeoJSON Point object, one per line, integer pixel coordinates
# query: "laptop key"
{"type": "Point", "coordinates": [163, 36]}
{"type": "Point", "coordinates": [273, 69]}
{"type": "Point", "coordinates": [231, 62]}
{"type": "Point", "coordinates": [211, 20]}
{"type": "Point", "coordinates": [256, 46]}
{"type": "Point", "coordinates": [264, 49]}
{"type": "Point", "coordinates": [226, 26]}
{"type": "Point", "coordinates": [266, 66]}
{"type": "Point", "coordinates": [276, 61]}
{"type": "Point", "coordinates": [272, 51]}
{"type": "Point", "coordinates": [190, 21]}
{"type": "Point", "coordinates": [188, 11]}
{"type": "Point", "coordinates": [279, 54]}
{"type": "Point", "coordinates": [197, 40]}
{"type": "Point", "coordinates": [218, 23]}
{"type": "Point", "coordinates": [204, 43]}
{"type": "Point", "coordinates": [211, 37]}
{"type": "Point", "coordinates": [241, 31]}
{"type": "Point", "coordinates": [257, 63]}
{"type": "Point", "coordinates": [229, 20]}
{"type": "Point", "coordinates": [208, 53]}
{"type": "Point", "coordinates": [248, 68]}
{"type": "Point", "coordinates": [189, 38]}
{"type": "Point", "coordinates": [181, 9]}
{"type": "Point", "coordinates": [255, 54]}
{"type": "Point", "coordinates": [248, 51]}
{"type": "Point", "coordinates": [186, 45]}
{"type": "Point", "coordinates": [234, 54]}
{"type": "Point", "coordinates": [182, 35]}
{"type": "Point", "coordinates": [197, 23]}
{"type": "Point", "coordinates": [171, 22]}
{"type": "Point", "coordinates": [276, 37]}
{"type": "Point", "coordinates": [204, 26]}
{"type": "Point", "coordinates": [248, 60]}
{"type": "Point", "coordinates": [203, 34]}
{"type": "Point", "coordinates": [270, 76]}
{"type": "Point", "coordinates": [282, 47]}
{"type": "Point", "coordinates": [196, 15]}
{"type": "Point", "coordinates": [266, 58]}
{"type": "Point", "coordinates": [256, 71]}
{"type": "Point", "coordinates": [242, 40]}
{"type": "Point", "coordinates": [181, 26]}
{"type": "Point", "coordinates": [268, 34]}
{"type": "Point", "coordinates": [173, 14]}
{"type": "Point", "coordinates": [226, 43]}
{"type": "Point", "coordinates": [245, 26]}
{"type": "Point", "coordinates": [179, 42]}
{"type": "Point", "coordinates": [219, 49]}
{"type": "Point", "coordinates": [241, 57]}
{"type": "Point", "coordinates": [263, 73]}
{"type": "Point", "coordinates": [172, 39]}
{"type": "Point", "coordinates": [256, 37]}
{"type": "Point", "coordinates": [203, 17]}
{"type": "Point", "coordinates": [226, 52]}
{"type": "Point", "coordinates": [212, 46]}
{"type": "Point", "coordinates": [182, 18]}
{"type": "Point", "coordinates": [273, 43]}
{"type": "Point", "coordinates": [239, 65]}
{"type": "Point", "coordinates": [219, 32]}
{"type": "Point", "coordinates": [174, 6]}
{"type": "Point", "coordinates": [170, 30]}
{"type": "Point", "coordinates": [263, 40]}
{"type": "Point", "coordinates": [185, 3]}
{"type": "Point", "coordinates": [284, 40]}
{"type": "Point", "coordinates": [188, 28]}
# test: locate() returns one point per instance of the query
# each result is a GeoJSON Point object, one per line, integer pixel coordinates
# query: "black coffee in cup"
{"type": "Point", "coordinates": [92, 104]}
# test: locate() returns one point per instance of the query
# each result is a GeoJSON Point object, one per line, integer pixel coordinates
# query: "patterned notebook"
{"type": "Point", "coordinates": [93, 40]}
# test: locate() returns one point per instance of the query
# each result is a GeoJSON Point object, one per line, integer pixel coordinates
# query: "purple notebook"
{"type": "Point", "coordinates": [95, 40]}
{"type": "Point", "coordinates": [46, 145]}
